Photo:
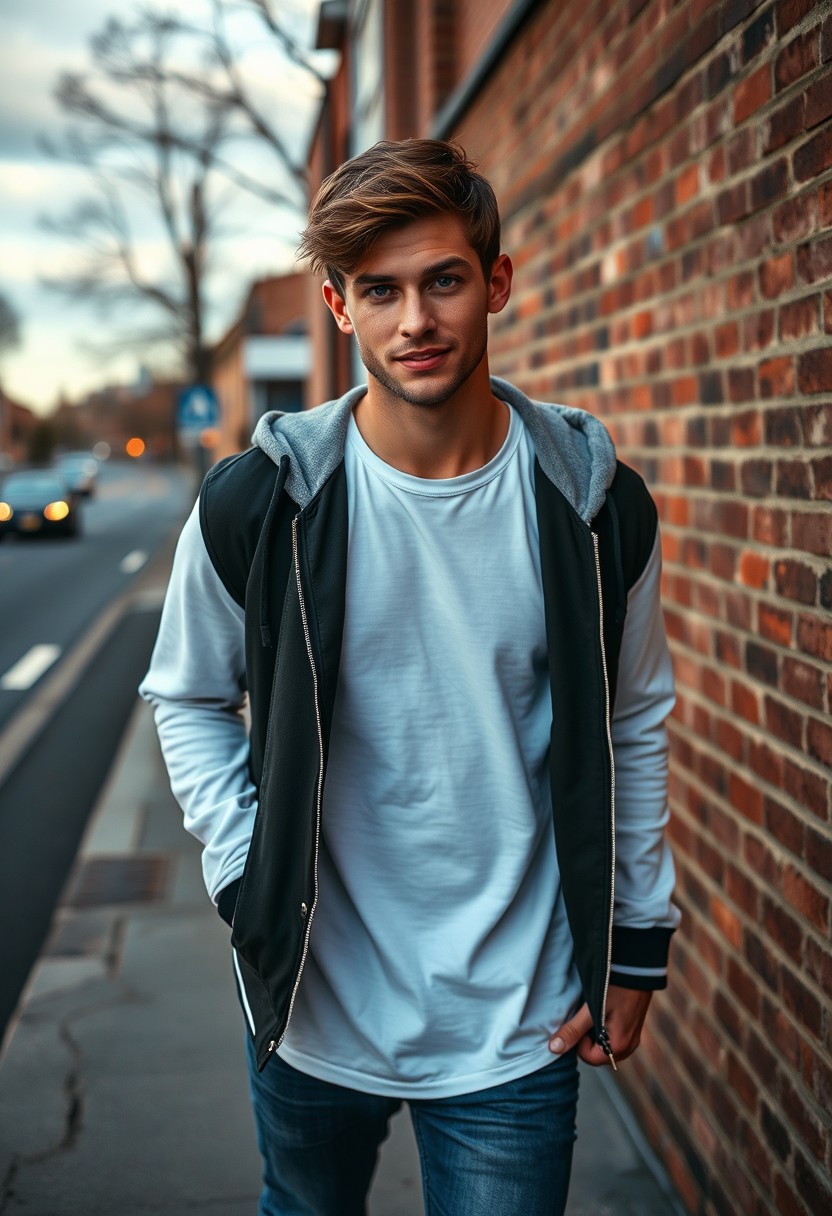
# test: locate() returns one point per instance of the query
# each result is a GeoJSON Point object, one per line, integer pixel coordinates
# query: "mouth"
{"type": "Point", "coordinates": [423, 360]}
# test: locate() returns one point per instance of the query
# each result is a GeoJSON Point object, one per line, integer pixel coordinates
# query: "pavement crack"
{"type": "Point", "coordinates": [74, 1095]}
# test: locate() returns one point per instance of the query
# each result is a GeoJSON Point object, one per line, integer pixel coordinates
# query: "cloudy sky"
{"type": "Point", "coordinates": [40, 40]}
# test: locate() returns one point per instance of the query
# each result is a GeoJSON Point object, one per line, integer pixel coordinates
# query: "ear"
{"type": "Point", "coordinates": [336, 305]}
{"type": "Point", "coordinates": [499, 285]}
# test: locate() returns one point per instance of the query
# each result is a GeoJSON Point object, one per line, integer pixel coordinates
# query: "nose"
{"type": "Point", "coordinates": [416, 317]}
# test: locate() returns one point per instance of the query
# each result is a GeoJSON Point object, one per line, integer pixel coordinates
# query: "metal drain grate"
{"type": "Point", "coordinates": [138, 879]}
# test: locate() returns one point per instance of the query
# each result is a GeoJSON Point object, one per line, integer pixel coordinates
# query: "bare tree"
{"type": "Point", "coordinates": [159, 124]}
{"type": "Point", "coordinates": [9, 326]}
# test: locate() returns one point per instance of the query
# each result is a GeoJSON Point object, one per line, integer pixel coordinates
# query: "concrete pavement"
{"type": "Point", "coordinates": [122, 1085]}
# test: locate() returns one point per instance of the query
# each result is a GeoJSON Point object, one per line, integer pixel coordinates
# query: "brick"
{"type": "Point", "coordinates": [803, 682]}
{"type": "Point", "coordinates": [744, 987]}
{"type": "Point", "coordinates": [771, 183]}
{"type": "Point", "coordinates": [753, 237]}
{"type": "Point", "coordinates": [808, 789]}
{"type": "Point", "coordinates": [814, 371]}
{"type": "Point", "coordinates": [803, 1005]}
{"type": "Point", "coordinates": [758, 329]}
{"type": "Point", "coordinates": [739, 290]}
{"type": "Point", "coordinates": [782, 428]}
{"type": "Point", "coordinates": [813, 158]}
{"type": "Point", "coordinates": [796, 581]}
{"type": "Point", "coordinates": [818, 101]}
{"type": "Point", "coordinates": [752, 93]}
{"type": "Point", "coordinates": [819, 741]}
{"type": "Point", "coordinates": [753, 569]}
{"type": "Point", "coordinates": [763, 962]}
{"type": "Point", "coordinates": [790, 13]}
{"type": "Point", "coordinates": [776, 377]}
{"type": "Point", "coordinates": [806, 898]}
{"type": "Point", "coordinates": [825, 589]}
{"type": "Point", "coordinates": [783, 124]}
{"type": "Point", "coordinates": [796, 59]}
{"type": "Point", "coordinates": [814, 261]}
{"type": "Point", "coordinates": [744, 702]}
{"type": "Point", "coordinates": [787, 1203]}
{"type": "Point", "coordinates": [745, 429]}
{"type": "Point", "coordinates": [756, 477]}
{"type": "Point", "coordinates": [777, 276]}
{"type": "Point", "coordinates": [795, 218]}
{"type": "Point", "coordinates": [774, 1132]}
{"type": "Point", "coordinates": [787, 828]}
{"type": "Point", "coordinates": [826, 40]}
{"type": "Point", "coordinates": [822, 477]}
{"type": "Point", "coordinates": [728, 1016]}
{"type": "Point", "coordinates": [819, 858]}
{"type": "Point", "coordinates": [727, 339]}
{"type": "Point", "coordinates": [741, 890]}
{"type": "Point", "coordinates": [761, 663]}
{"type": "Point", "coordinates": [732, 203]}
{"type": "Point", "coordinates": [814, 636]}
{"type": "Point", "coordinates": [799, 319]}
{"type": "Point", "coordinates": [769, 526]}
{"type": "Point", "coordinates": [812, 533]}
{"type": "Point", "coordinates": [744, 796]}
{"type": "Point", "coordinates": [775, 624]}
{"type": "Point", "coordinates": [817, 425]}
{"type": "Point", "coordinates": [783, 929]}
{"type": "Point", "coordinates": [808, 1126]}
{"type": "Point", "coordinates": [687, 185]}
{"type": "Point", "coordinates": [784, 723]}
{"type": "Point", "coordinates": [793, 479]}
{"type": "Point", "coordinates": [742, 151]}
{"type": "Point", "coordinates": [741, 383]}
{"type": "Point", "coordinates": [819, 964]}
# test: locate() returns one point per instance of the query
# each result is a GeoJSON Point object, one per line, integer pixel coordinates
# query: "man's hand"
{"type": "Point", "coordinates": [626, 1011]}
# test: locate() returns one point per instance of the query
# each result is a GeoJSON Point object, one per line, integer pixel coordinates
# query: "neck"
{"type": "Point", "coordinates": [457, 436]}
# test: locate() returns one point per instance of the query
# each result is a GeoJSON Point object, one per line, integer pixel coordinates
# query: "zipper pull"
{"type": "Point", "coordinates": [604, 1044]}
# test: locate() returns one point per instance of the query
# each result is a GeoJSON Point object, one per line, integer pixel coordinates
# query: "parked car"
{"type": "Point", "coordinates": [79, 470]}
{"type": "Point", "coordinates": [37, 502]}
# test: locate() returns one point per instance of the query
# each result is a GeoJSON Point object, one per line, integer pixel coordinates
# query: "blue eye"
{"type": "Point", "coordinates": [378, 292]}
{"type": "Point", "coordinates": [445, 280]}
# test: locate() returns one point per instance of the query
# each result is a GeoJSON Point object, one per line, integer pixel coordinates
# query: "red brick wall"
{"type": "Point", "coordinates": [665, 176]}
{"type": "Point", "coordinates": [475, 24]}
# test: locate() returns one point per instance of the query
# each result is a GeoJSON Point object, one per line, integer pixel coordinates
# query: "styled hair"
{"type": "Point", "coordinates": [389, 185]}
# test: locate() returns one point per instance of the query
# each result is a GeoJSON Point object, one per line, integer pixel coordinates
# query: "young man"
{"type": "Point", "coordinates": [440, 844]}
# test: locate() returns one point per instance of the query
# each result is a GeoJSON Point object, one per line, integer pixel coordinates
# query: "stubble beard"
{"type": "Point", "coordinates": [425, 397]}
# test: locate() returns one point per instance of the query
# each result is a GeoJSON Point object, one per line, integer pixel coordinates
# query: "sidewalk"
{"type": "Point", "coordinates": [122, 1087]}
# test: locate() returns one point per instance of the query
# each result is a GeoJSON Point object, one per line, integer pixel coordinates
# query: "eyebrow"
{"type": "Point", "coordinates": [371, 280]}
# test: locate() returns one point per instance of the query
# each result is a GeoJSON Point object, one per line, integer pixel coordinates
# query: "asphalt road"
{"type": "Point", "coordinates": [52, 589]}
{"type": "Point", "coordinates": [52, 592]}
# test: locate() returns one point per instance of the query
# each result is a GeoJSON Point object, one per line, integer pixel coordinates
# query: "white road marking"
{"type": "Point", "coordinates": [132, 562]}
{"type": "Point", "coordinates": [31, 667]}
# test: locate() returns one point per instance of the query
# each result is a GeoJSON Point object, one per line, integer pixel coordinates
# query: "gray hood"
{"type": "Point", "coordinates": [574, 449]}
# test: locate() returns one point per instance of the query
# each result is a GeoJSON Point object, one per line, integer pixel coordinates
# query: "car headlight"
{"type": "Point", "coordinates": [56, 511]}
{"type": "Point", "coordinates": [5, 512]}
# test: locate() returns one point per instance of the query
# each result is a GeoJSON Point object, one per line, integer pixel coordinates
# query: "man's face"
{"type": "Point", "coordinates": [418, 305]}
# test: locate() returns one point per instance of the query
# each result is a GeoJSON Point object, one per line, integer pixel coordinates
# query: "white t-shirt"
{"type": "Point", "coordinates": [440, 957]}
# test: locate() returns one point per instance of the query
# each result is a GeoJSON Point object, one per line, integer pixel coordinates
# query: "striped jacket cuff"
{"type": "Point", "coordinates": [639, 957]}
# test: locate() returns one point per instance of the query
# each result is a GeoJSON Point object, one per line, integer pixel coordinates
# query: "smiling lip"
{"type": "Point", "coordinates": [423, 360]}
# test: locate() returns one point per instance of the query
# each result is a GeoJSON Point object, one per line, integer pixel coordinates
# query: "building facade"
{"type": "Point", "coordinates": [664, 172]}
{"type": "Point", "coordinates": [262, 362]}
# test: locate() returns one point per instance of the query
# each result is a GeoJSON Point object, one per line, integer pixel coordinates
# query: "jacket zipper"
{"type": "Point", "coordinates": [603, 1037]}
{"type": "Point", "coordinates": [275, 1043]}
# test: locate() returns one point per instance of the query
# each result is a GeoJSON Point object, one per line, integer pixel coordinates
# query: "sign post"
{"type": "Point", "coordinates": [197, 412]}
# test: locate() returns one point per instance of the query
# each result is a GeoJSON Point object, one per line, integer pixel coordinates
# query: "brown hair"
{"type": "Point", "coordinates": [389, 185]}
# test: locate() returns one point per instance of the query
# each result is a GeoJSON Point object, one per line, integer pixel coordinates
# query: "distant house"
{"type": "Point", "coordinates": [262, 362]}
{"type": "Point", "coordinates": [17, 424]}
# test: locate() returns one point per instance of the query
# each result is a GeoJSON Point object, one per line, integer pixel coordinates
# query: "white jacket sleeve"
{"type": "Point", "coordinates": [196, 684]}
{"type": "Point", "coordinates": [644, 874]}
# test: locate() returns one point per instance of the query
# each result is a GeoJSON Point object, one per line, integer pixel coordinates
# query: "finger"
{"type": "Point", "coordinates": [571, 1032]}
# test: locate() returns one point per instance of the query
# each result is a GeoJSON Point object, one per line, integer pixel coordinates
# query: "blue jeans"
{"type": "Point", "coordinates": [505, 1150]}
